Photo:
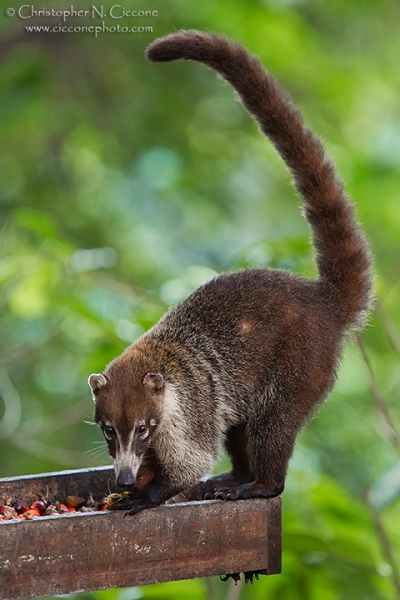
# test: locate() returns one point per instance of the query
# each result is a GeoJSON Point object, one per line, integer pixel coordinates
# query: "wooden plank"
{"type": "Point", "coordinates": [98, 481]}
{"type": "Point", "coordinates": [88, 551]}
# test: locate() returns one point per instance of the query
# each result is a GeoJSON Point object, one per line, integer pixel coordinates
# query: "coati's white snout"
{"type": "Point", "coordinates": [125, 478]}
{"type": "Point", "coordinates": [126, 466]}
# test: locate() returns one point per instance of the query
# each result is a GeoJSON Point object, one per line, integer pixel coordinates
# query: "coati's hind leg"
{"type": "Point", "coordinates": [270, 439]}
{"type": "Point", "coordinates": [242, 457]}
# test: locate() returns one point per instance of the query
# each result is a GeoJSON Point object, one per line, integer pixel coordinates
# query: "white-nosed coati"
{"type": "Point", "coordinates": [249, 355]}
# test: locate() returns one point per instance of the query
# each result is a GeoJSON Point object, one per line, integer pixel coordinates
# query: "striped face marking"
{"type": "Point", "coordinates": [128, 411]}
{"type": "Point", "coordinates": [127, 447]}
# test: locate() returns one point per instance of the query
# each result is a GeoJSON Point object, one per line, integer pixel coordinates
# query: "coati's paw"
{"type": "Point", "coordinates": [228, 494]}
{"type": "Point", "coordinates": [205, 490]}
{"type": "Point", "coordinates": [248, 576]}
{"type": "Point", "coordinates": [247, 490]}
{"type": "Point", "coordinates": [119, 502]}
{"type": "Point", "coordinates": [139, 507]}
{"type": "Point", "coordinates": [131, 504]}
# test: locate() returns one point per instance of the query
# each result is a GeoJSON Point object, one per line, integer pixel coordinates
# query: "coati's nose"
{"type": "Point", "coordinates": [126, 478]}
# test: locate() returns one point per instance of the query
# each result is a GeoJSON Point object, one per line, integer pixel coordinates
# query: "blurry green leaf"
{"type": "Point", "coordinates": [354, 552]}
{"type": "Point", "coordinates": [339, 508]}
{"type": "Point", "coordinates": [305, 542]}
{"type": "Point", "coordinates": [30, 297]}
{"type": "Point", "coordinates": [38, 222]}
{"type": "Point", "coordinates": [175, 590]}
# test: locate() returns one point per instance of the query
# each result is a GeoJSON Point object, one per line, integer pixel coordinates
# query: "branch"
{"type": "Point", "coordinates": [390, 328]}
{"type": "Point", "coordinates": [385, 543]}
{"type": "Point", "coordinates": [378, 400]}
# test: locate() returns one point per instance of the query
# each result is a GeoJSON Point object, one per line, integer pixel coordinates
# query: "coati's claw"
{"type": "Point", "coordinates": [249, 576]}
{"type": "Point", "coordinates": [234, 576]}
{"type": "Point", "coordinates": [209, 496]}
{"type": "Point", "coordinates": [227, 494]}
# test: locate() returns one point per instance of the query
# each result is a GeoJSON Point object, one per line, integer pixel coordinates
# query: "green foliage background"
{"type": "Point", "coordinates": [124, 184]}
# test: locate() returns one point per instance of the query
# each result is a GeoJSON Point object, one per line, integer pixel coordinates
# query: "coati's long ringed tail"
{"type": "Point", "coordinates": [343, 259]}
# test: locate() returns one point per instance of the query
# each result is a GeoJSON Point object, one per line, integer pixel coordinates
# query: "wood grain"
{"type": "Point", "coordinates": [82, 552]}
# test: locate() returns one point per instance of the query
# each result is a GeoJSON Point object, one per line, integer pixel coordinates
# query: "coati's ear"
{"type": "Point", "coordinates": [97, 381]}
{"type": "Point", "coordinates": [154, 382]}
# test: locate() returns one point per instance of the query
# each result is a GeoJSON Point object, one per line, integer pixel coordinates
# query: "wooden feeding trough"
{"type": "Point", "coordinates": [90, 551]}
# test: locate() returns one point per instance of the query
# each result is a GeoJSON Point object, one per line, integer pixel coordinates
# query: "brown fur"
{"type": "Point", "coordinates": [248, 356]}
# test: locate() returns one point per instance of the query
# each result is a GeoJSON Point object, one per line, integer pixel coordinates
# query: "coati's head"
{"type": "Point", "coordinates": [128, 410]}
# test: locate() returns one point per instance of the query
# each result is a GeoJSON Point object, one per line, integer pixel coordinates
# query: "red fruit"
{"type": "Point", "coordinates": [20, 507]}
{"type": "Point", "coordinates": [40, 507]}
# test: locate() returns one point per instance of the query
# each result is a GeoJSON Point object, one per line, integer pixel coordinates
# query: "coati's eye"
{"type": "Point", "coordinates": [109, 432]}
{"type": "Point", "coordinates": [142, 429]}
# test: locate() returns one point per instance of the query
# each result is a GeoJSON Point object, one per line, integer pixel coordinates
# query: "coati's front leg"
{"type": "Point", "coordinates": [237, 449]}
{"type": "Point", "coordinates": [260, 450]}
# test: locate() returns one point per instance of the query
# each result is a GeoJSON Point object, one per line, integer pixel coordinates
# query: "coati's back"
{"type": "Point", "coordinates": [256, 328]}
{"type": "Point", "coordinates": [249, 355]}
